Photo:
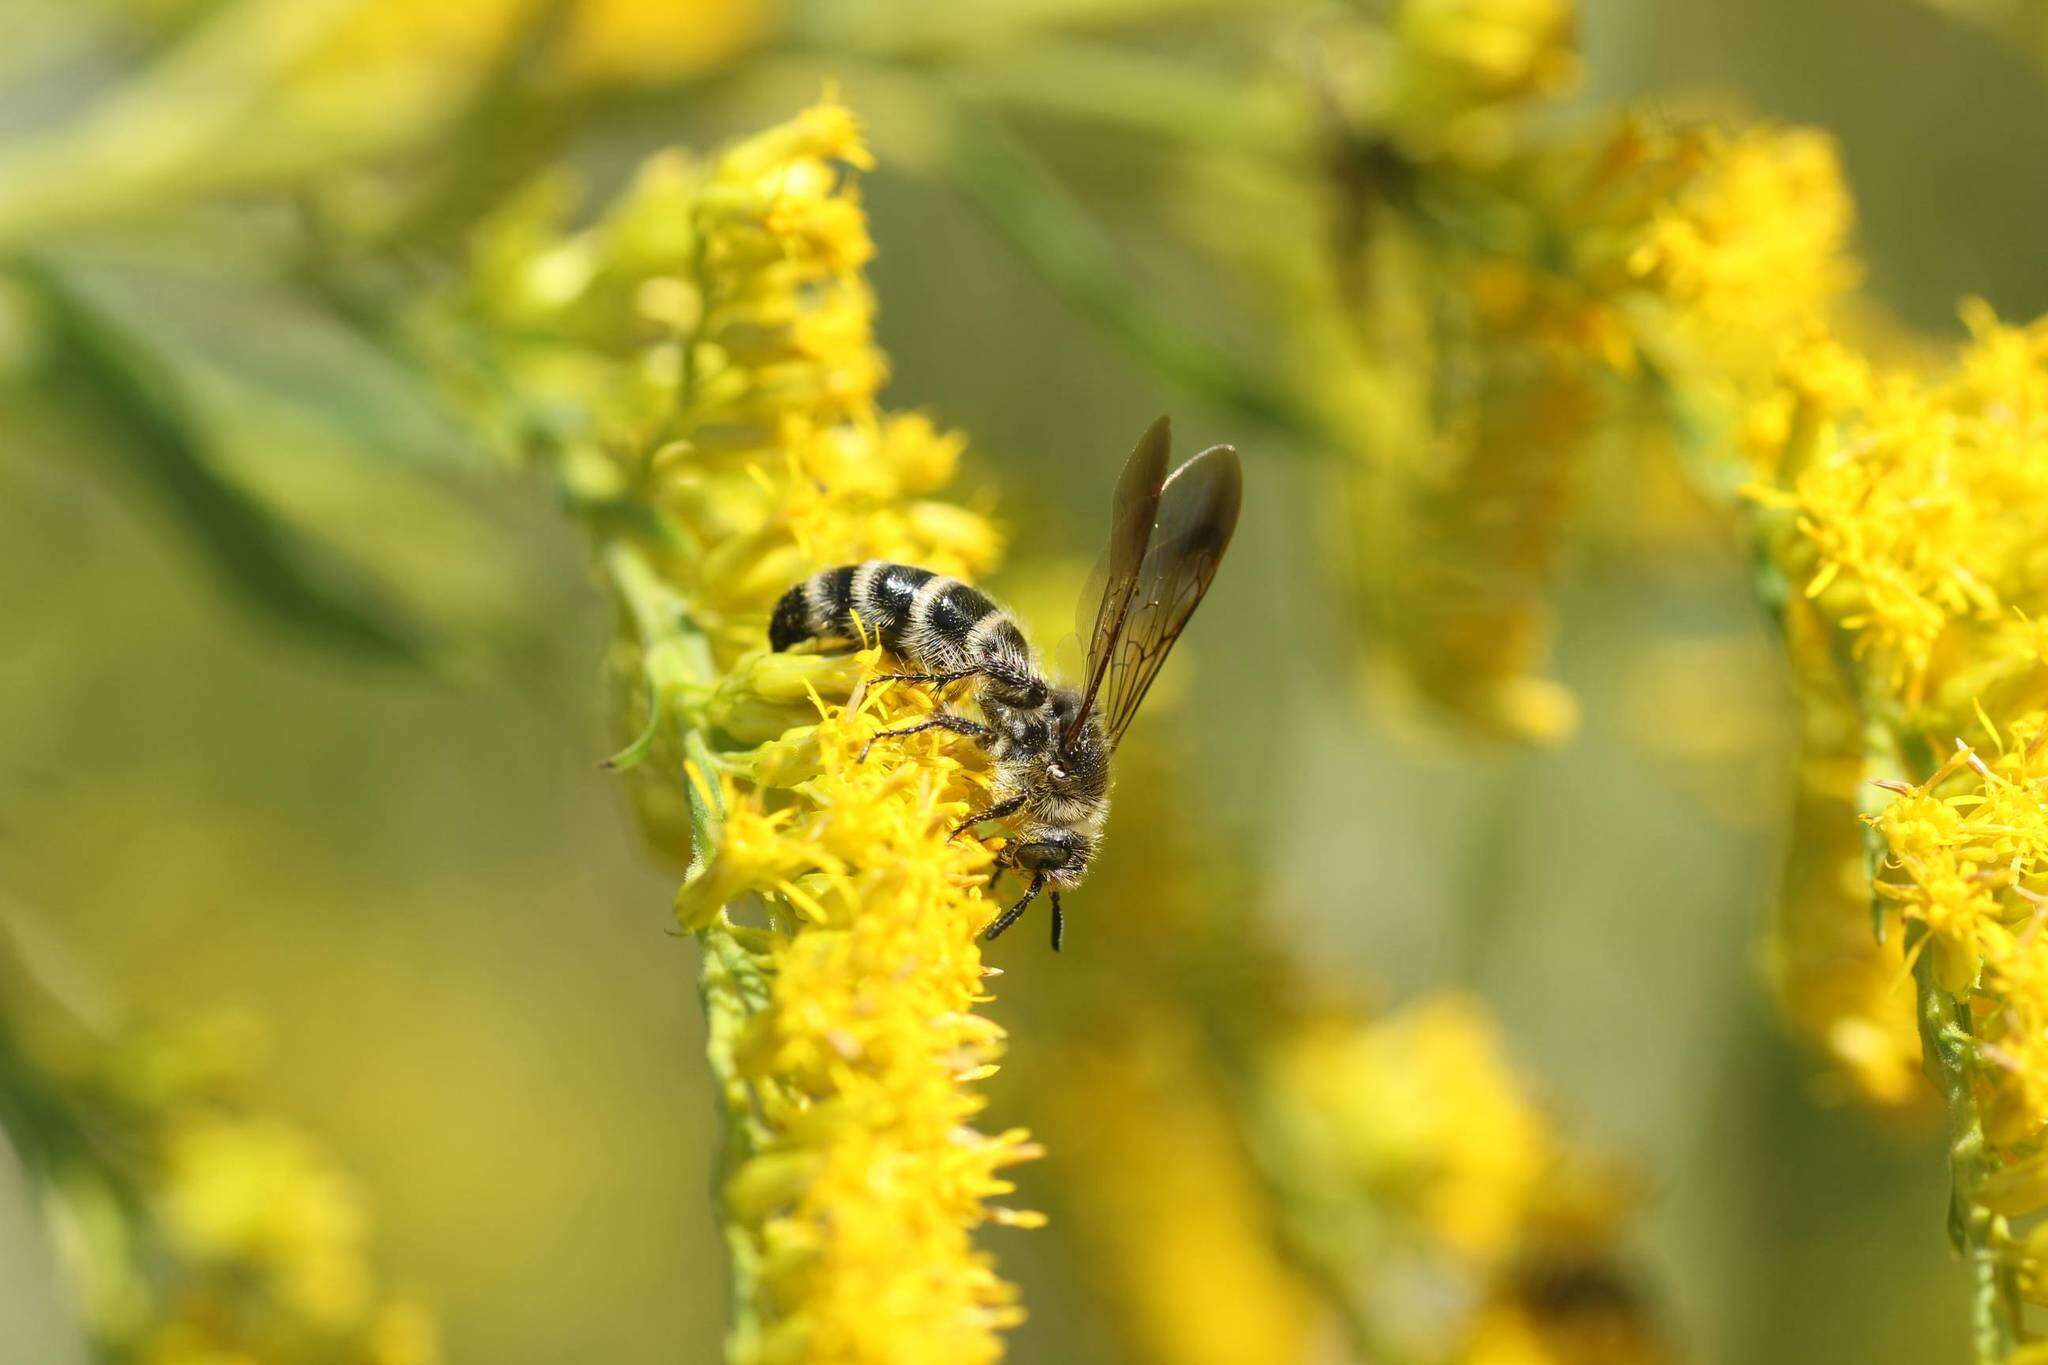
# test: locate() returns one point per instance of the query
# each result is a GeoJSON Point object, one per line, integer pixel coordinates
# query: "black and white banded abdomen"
{"type": "Point", "coordinates": [934, 621]}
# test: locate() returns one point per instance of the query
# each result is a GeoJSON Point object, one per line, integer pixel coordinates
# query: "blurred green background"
{"type": "Point", "coordinates": [422, 881]}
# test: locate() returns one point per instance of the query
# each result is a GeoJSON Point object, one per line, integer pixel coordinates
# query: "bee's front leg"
{"type": "Point", "coordinates": [1009, 805]}
{"type": "Point", "coordinates": [1011, 915]}
{"type": "Point", "coordinates": [942, 679]}
{"type": "Point", "coordinates": [959, 725]}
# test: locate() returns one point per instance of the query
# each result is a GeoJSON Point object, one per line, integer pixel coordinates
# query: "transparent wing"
{"type": "Point", "coordinates": [1132, 516]}
{"type": "Point", "coordinates": [1197, 515]}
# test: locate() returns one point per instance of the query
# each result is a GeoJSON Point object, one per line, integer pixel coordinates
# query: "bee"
{"type": "Point", "coordinates": [1049, 745]}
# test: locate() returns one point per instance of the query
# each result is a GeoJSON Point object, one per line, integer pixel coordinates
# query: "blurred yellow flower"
{"type": "Point", "coordinates": [1422, 1108]}
{"type": "Point", "coordinates": [629, 41]}
{"type": "Point", "coordinates": [1416, 1169]}
{"type": "Point", "coordinates": [1752, 240]}
{"type": "Point", "coordinates": [1168, 1205]}
{"type": "Point", "coordinates": [653, 40]}
{"type": "Point", "coordinates": [1508, 297]}
{"type": "Point", "coordinates": [1493, 49]}
{"type": "Point", "coordinates": [192, 1228]}
{"type": "Point", "coordinates": [1840, 987]}
{"type": "Point", "coordinates": [1456, 540]}
{"type": "Point", "coordinates": [256, 1193]}
{"type": "Point", "coordinates": [1453, 78]}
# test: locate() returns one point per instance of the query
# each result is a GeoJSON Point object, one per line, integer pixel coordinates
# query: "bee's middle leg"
{"type": "Point", "coordinates": [959, 725]}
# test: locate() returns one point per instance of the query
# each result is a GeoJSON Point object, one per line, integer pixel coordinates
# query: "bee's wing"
{"type": "Point", "coordinates": [1197, 515]}
{"type": "Point", "coordinates": [1132, 517]}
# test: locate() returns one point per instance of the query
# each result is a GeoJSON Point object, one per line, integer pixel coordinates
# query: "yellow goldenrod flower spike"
{"type": "Point", "coordinates": [704, 353]}
{"type": "Point", "coordinates": [1910, 506]}
{"type": "Point", "coordinates": [1920, 533]}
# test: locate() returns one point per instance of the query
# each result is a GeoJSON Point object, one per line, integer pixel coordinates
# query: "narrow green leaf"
{"type": "Point", "coordinates": [1076, 256]}
{"type": "Point", "coordinates": [229, 342]}
{"type": "Point", "coordinates": [98, 364]}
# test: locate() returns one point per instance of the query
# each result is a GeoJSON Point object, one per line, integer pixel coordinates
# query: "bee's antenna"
{"type": "Point", "coordinates": [1059, 923]}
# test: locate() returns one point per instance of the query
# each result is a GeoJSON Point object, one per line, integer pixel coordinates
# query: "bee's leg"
{"type": "Point", "coordinates": [1009, 805]}
{"type": "Point", "coordinates": [1011, 915]}
{"type": "Point", "coordinates": [942, 679]}
{"type": "Point", "coordinates": [959, 725]}
{"type": "Point", "coordinates": [1059, 922]}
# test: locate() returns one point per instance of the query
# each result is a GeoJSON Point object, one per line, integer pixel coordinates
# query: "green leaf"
{"type": "Point", "coordinates": [1024, 201]}
{"type": "Point", "coordinates": [227, 342]}
{"type": "Point", "coordinates": [107, 370]}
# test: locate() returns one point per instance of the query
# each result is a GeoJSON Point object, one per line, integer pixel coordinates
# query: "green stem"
{"type": "Point", "coordinates": [675, 654]}
{"type": "Point", "coordinates": [733, 986]}
{"type": "Point", "coordinates": [1948, 1051]}
{"type": "Point", "coordinates": [732, 982]}
{"type": "Point", "coordinates": [1949, 1043]}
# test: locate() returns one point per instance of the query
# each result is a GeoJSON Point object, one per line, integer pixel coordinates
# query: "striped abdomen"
{"type": "Point", "coordinates": [936, 622]}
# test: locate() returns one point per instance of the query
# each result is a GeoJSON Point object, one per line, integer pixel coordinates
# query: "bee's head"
{"type": "Point", "coordinates": [1059, 855]}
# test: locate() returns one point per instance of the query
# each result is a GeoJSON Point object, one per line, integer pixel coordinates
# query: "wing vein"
{"type": "Point", "coordinates": [1158, 575]}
